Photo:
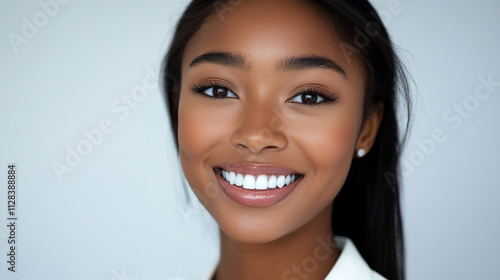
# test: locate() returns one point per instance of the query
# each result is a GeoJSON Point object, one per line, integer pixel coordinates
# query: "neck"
{"type": "Point", "coordinates": [307, 253]}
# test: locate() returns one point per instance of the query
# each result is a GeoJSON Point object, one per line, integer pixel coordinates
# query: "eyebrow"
{"type": "Point", "coordinates": [289, 64]}
{"type": "Point", "coordinates": [221, 58]}
{"type": "Point", "coordinates": [310, 62]}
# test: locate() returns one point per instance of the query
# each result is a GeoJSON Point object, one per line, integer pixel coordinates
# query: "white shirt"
{"type": "Point", "coordinates": [349, 266]}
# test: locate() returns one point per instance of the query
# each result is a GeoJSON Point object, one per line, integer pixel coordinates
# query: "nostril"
{"type": "Point", "coordinates": [256, 148]}
{"type": "Point", "coordinates": [258, 139]}
{"type": "Point", "coordinates": [263, 140]}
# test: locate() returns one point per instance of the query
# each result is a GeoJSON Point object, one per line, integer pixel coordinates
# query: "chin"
{"type": "Point", "coordinates": [252, 231]}
{"type": "Point", "coordinates": [258, 225]}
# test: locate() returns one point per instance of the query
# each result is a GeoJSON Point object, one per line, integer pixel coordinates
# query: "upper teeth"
{"type": "Point", "coordinates": [262, 182]}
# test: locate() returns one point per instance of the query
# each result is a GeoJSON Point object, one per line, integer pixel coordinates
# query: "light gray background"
{"type": "Point", "coordinates": [120, 213]}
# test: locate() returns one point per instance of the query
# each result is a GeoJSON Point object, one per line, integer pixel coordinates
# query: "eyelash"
{"type": "Point", "coordinates": [203, 87]}
{"type": "Point", "coordinates": [312, 90]}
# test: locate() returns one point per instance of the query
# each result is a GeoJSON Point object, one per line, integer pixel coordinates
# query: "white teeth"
{"type": "Point", "coordinates": [281, 181]}
{"type": "Point", "coordinates": [260, 182]}
{"type": "Point", "coordinates": [239, 180]}
{"type": "Point", "coordinates": [249, 182]}
{"type": "Point", "coordinates": [232, 178]}
{"type": "Point", "coordinates": [272, 182]}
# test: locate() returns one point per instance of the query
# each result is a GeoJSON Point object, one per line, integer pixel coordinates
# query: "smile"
{"type": "Point", "coordinates": [260, 182]}
{"type": "Point", "coordinates": [257, 185]}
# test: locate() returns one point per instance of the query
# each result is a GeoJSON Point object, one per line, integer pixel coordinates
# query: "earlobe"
{"type": "Point", "coordinates": [369, 130]}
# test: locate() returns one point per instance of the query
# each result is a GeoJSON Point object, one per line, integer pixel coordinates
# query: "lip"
{"type": "Point", "coordinates": [256, 198]}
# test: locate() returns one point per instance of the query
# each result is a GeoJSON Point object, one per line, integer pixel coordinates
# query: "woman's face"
{"type": "Point", "coordinates": [267, 92]}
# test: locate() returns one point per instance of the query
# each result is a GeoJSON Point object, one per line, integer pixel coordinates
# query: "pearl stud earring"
{"type": "Point", "coordinates": [361, 153]}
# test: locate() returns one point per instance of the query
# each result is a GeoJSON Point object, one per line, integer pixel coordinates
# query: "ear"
{"type": "Point", "coordinates": [370, 128]}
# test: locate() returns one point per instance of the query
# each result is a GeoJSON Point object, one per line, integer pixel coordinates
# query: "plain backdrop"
{"type": "Point", "coordinates": [119, 211]}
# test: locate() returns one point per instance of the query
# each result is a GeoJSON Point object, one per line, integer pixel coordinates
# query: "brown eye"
{"type": "Point", "coordinates": [219, 92]}
{"type": "Point", "coordinates": [308, 98]}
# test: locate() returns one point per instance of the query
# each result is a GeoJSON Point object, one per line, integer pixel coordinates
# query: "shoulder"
{"type": "Point", "coordinates": [350, 264]}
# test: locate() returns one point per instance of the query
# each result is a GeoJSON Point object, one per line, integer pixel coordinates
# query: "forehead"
{"type": "Point", "coordinates": [265, 30]}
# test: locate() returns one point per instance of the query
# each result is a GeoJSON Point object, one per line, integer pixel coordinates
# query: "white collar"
{"type": "Point", "coordinates": [349, 266]}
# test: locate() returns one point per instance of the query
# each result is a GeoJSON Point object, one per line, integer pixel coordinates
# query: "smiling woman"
{"type": "Point", "coordinates": [276, 104]}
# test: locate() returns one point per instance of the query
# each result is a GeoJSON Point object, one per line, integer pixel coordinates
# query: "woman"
{"type": "Point", "coordinates": [284, 117]}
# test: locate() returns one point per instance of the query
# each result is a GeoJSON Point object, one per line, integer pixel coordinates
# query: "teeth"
{"type": "Point", "coordinates": [232, 178]}
{"type": "Point", "coordinates": [261, 182]}
{"type": "Point", "coordinates": [249, 182]}
{"type": "Point", "coordinates": [280, 182]}
{"type": "Point", "coordinates": [272, 182]}
{"type": "Point", "coordinates": [239, 180]}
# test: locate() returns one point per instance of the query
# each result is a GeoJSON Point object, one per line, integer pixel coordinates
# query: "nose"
{"type": "Point", "coordinates": [259, 128]}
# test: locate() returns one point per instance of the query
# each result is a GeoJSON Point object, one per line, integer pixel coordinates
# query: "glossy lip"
{"type": "Point", "coordinates": [256, 198]}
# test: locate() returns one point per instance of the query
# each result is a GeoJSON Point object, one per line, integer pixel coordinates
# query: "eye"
{"type": "Point", "coordinates": [308, 98]}
{"type": "Point", "coordinates": [314, 96]}
{"type": "Point", "coordinates": [215, 91]}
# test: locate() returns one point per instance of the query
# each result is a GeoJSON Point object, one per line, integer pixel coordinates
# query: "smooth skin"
{"type": "Point", "coordinates": [266, 114]}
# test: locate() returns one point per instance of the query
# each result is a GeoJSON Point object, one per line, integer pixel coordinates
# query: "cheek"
{"type": "Point", "coordinates": [199, 128]}
{"type": "Point", "coordinates": [328, 147]}
{"type": "Point", "coordinates": [190, 136]}
{"type": "Point", "coordinates": [334, 145]}
{"type": "Point", "coordinates": [194, 137]}
{"type": "Point", "coordinates": [330, 144]}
